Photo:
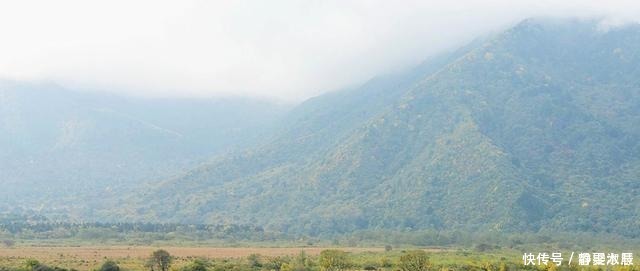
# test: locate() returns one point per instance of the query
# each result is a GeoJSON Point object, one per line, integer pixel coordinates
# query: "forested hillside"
{"type": "Point", "coordinates": [534, 129]}
{"type": "Point", "coordinates": [64, 152]}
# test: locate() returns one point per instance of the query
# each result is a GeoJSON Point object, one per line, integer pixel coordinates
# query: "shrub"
{"type": "Point", "coordinates": [333, 260]}
{"type": "Point", "coordinates": [109, 266]}
{"type": "Point", "coordinates": [416, 260]}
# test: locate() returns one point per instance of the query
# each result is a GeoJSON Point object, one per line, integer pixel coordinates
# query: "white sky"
{"type": "Point", "coordinates": [287, 50]}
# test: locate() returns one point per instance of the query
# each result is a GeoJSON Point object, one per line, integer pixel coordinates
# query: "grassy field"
{"type": "Point", "coordinates": [229, 258]}
{"type": "Point", "coordinates": [133, 257]}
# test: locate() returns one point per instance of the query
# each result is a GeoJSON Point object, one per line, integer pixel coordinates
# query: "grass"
{"type": "Point", "coordinates": [90, 257]}
{"type": "Point", "coordinates": [134, 257]}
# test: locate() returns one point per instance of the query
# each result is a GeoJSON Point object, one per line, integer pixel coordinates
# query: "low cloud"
{"type": "Point", "coordinates": [287, 50]}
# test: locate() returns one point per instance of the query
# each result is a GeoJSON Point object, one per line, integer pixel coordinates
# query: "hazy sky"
{"type": "Point", "coordinates": [279, 49]}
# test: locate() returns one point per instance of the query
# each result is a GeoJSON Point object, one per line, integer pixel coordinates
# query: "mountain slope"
{"type": "Point", "coordinates": [66, 150]}
{"type": "Point", "coordinates": [535, 129]}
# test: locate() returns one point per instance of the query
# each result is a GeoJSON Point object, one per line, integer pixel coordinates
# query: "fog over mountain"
{"type": "Point", "coordinates": [285, 50]}
{"type": "Point", "coordinates": [65, 150]}
{"type": "Point", "coordinates": [534, 129]}
{"type": "Point", "coordinates": [331, 135]}
{"type": "Point", "coordinates": [323, 118]}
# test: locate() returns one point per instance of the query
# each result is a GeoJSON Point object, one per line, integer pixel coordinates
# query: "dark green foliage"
{"type": "Point", "coordinates": [43, 267]}
{"type": "Point", "coordinates": [109, 266]}
{"type": "Point", "coordinates": [31, 264]}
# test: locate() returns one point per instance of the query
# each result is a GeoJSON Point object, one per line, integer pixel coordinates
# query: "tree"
{"type": "Point", "coordinates": [30, 264]}
{"type": "Point", "coordinates": [109, 266]}
{"type": "Point", "coordinates": [298, 263]}
{"type": "Point", "coordinates": [415, 260]}
{"type": "Point", "coordinates": [254, 261]}
{"type": "Point", "coordinates": [333, 260]}
{"type": "Point", "coordinates": [276, 263]}
{"type": "Point", "coordinates": [160, 261]}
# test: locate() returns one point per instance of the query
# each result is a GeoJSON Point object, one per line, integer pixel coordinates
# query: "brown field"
{"type": "Point", "coordinates": [132, 257]}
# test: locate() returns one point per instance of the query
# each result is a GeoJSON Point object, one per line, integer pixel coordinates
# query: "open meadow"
{"type": "Point", "coordinates": [135, 257]}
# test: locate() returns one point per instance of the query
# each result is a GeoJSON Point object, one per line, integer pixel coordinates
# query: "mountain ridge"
{"type": "Point", "coordinates": [494, 140]}
{"type": "Point", "coordinates": [534, 129]}
{"type": "Point", "coordinates": [69, 150]}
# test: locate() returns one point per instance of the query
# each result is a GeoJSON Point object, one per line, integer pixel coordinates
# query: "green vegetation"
{"type": "Point", "coordinates": [529, 139]}
{"type": "Point", "coordinates": [196, 265]}
{"type": "Point", "coordinates": [26, 229]}
{"type": "Point", "coordinates": [160, 260]}
{"type": "Point", "coordinates": [37, 231]}
{"type": "Point", "coordinates": [404, 260]}
{"type": "Point", "coordinates": [416, 260]}
{"type": "Point", "coordinates": [534, 130]}
{"type": "Point", "coordinates": [109, 266]}
{"type": "Point", "coordinates": [334, 260]}
{"type": "Point", "coordinates": [299, 263]}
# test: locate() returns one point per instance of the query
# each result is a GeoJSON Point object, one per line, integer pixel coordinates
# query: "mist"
{"type": "Point", "coordinates": [284, 50]}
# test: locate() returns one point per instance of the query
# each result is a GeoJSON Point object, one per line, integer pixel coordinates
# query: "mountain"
{"type": "Point", "coordinates": [64, 151]}
{"type": "Point", "coordinates": [534, 129]}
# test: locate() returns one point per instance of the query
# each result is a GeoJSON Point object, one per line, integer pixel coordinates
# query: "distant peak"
{"type": "Point", "coordinates": [572, 24]}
